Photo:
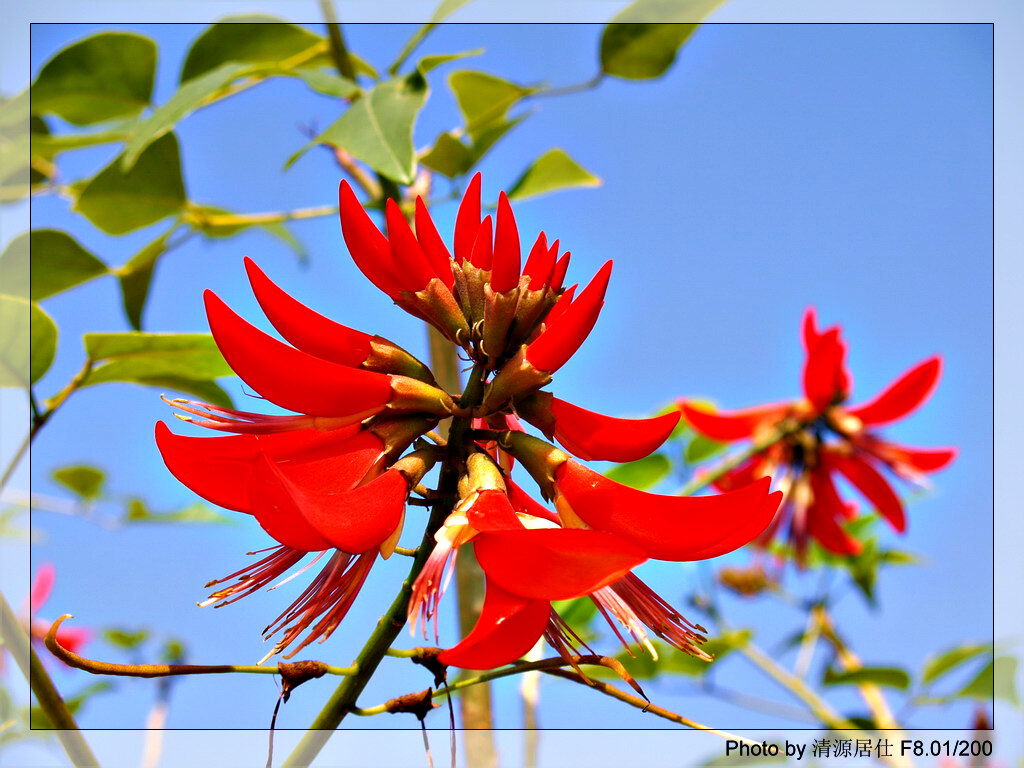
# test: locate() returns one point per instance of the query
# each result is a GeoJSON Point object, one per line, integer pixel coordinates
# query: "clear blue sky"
{"type": "Point", "coordinates": [848, 167]}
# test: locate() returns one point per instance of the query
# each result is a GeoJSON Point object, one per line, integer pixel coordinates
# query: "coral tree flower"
{"type": "Point", "coordinates": [821, 438]}
{"type": "Point", "coordinates": [332, 477]}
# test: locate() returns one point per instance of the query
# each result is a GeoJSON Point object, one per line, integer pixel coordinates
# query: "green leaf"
{"type": "Point", "coordinates": [118, 202]}
{"type": "Point", "coordinates": [189, 97]}
{"type": "Point", "coordinates": [427, 63]}
{"type": "Point", "coordinates": [101, 77]}
{"type": "Point", "coordinates": [83, 480]}
{"type": "Point", "coordinates": [44, 343]}
{"type": "Point", "coordinates": [484, 99]}
{"type": "Point", "coordinates": [28, 342]}
{"type": "Point", "coordinates": [577, 613]}
{"type": "Point", "coordinates": [938, 666]}
{"type": "Point", "coordinates": [324, 82]}
{"type": "Point", "coordinates": [251, 39]}
{"type": "Point", "coordinates": [452, 157]}
{"type": "Point", "coordinates": [49, 146]}
{"type": "Point", "coordinates": [139, 512]}
{"type": "Point", "coordinates": [377, 128]}
{"type": "Point", "coordinates": [890, 677]}
{"type": "Point", "coordinates": [551, 171]}
{"type": "Point", "coordinates": [446, 9]}
{"type": "Point", "coordinates": [60, 263]}
{"type": "Point", "coordinates": [702, 448]}
{"type": "Point", "coordinates": [642, 474]}
{"type": "Point", "coordinates": [135, 277]}
{"type": "Point", "coordinates": [998, 679]}
{"type": "Point", "coordinates": [14, 267]}
{"type": "Point", "coordinates": [125, 638]}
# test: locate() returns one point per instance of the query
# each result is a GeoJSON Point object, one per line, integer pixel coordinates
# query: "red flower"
{"type": "Point", "coordinates": [333, 476]}
{"type": "Point", "coordinates": [822, 437]}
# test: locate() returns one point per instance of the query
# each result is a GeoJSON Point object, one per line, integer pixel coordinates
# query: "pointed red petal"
{"type": "Point", "coordinates": [467, 221]}
{"type": "Point", "coordinates": [367, 246]}
{"type": "Point", "coordinates": [825, 376]}
{"type": "Point", "coordinates": [810, 329]}
{"type": "Point", "coordinates": [560, 268]}
{"type": "Point", "coordinates": [309, 331]}
{"type": "Point", "coordinates": [870, 482]}
{"type": "Point", "coordinates": [553, 348]}
{"type": "Point", "coordinates": [822, 516]}
{"type": "Point", "coordinates": [482, 254]}
{"type": "Point", "coordinates": [595, 437]}
{"type": "Point", "coordinates": [275, 509]}
{"type": "Point", "coordinates": [507, 256]}
{"type": "Point", "coordinates": [919, 459]}
{"type": "Point", "coordinates": [726, 426]}
{"type": "Point", "coordinates": [290, 378]}
{"type": "Point", "coordinates": [217, 468]}
{"type": "Point", "coordinates": [492, 511]}
{"type": "Point", "coordinates": [904, 395]}
{"type": "Point", "coordinates": [743, 475]}
{"type": "Point", "coordinates": [432, 244]}
{"type": "Point", "coordinates": [524, 503]}
{"type": "Point", "coordinates": [412, 268]}
{"type": "Point", "coordinates": [555, 563]}
{"type": "Point", "coordinates": [563, 303]}
{"type": "Point", "coordinates": [42, 586]}
{"type": "Point", "coordinates": [666, 527]}
{"type": "Point", "coordinates": [508, 627]}
{"type": "Point", "coordinates": [539, 263]}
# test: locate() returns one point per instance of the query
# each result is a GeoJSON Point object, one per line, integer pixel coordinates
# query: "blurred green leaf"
{"type": "Point", "coordinates": [173, 651]}
{"type": "Point", "coordinates": [118, 202]}
{"type": "Point", "coordinates": [642, 474]}
{"type": "Point", "coordinates": [83, 480]}
{"type": "Point", "coordinates": [578, 614]}
{"type": "Point", "coordinates": [675, 662]}
{"type": "Point", "coordinates": [702, 448]}
{"type": "Point", "coordinates": [446, 8]}
{"type": "Point", "coordinates": [324, 82]}
{"type": "Point", "coordinates": [28, 341]}
{"type": "Point", "coordinates": [452, 156]}
{"type": "Point", "coordinates": [551, 171]}
{"type": "Point", "coordinates": [484, 99]}
{"type": "Point", "coordinates": [642, 51]}
{"type": "Point", "coordinates": [43, 342]}
{"type": "Point", "coordinates": [125, 638]}
{"type": "Point", "coordinates": [890, 677]}
{"type": "Point", "coordinates": [213, 230]}
{"type": "Point", "coordinates": [60, 263]}
{"type": "Point", "coordinates": [101, 77]}
{"type": "Point", "coordinates": [135, 278]}
{"type": "Point", "coordinates": [14, 267]}
{"type": "Point", "coordinates": [189, 97]}
{"type": "Point", "coordinates": [938, 666]}
{"type": "Point", "coordinates": [427, 63]}
{"type": "Point", "coordinates": [378, 128]}
{"type": "Point", "coordinates": [998, 679]}
{"type": "Point", "coordinates": [139, 512]}
{"type": "Point", "coordinates": [251, 39]}
{"type": "Point", "coordinates": [49, 146]}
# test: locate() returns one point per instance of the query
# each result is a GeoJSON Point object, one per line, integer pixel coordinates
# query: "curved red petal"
{"type": "Point", "coordinates": [870, 482]}
{"type": "Point", "coordinates": [307, 330]}
{"type": "Point", "coordinates": [904, 395]}
{"type": "Point", "coordinates": [823, 515]}
{"type": "Point", "coordinates": [559, 341]}
{"type": "Point", "coordinates": [290, 378]}
{"type": "Point", "coordinates": [367, 246]}
{"type": "Point", "coordinates": [743, 475]}
{"type": "Point", "coordinates": [507, 255]}
{"type": "Point", "coordinates": [217, 468]}
{"type": "Point", "coordinates": [595, 437]}
{"type": "Point", "coordinates": [666, 527]}
{"type": "Point", "coordinates": [432, 244]}
{"type": "Point", "coordinates": [492, 511]}
{"type": "Point", "coordinates": [539, 263]}
{"type": "Point", "coordinates": [508, 627]}
{"type": "Point", "coordinates": [482, 253]}
{"type": "Point", "coordinates": [555, 563]}
{"type": "Point", "coordinates": [413, 269]}
{"type": "Point", "coordinates": [525, 504]}
{"type": "Point", "coordinates": [809, 328]}
{"type": "Point", "coordinates": [276, 509]}
{"type": "Point", "coordinates": [42, 586]}
{"type": "Point", "coordinates": [825, 379]}
{"type": "Point", "coordinates": [918, 459]}
{"type": "Point", "coordinates": [560, 269]}
{"type": "Point", "coordinates": [726, 426]}
{"type": "Point", "coordinates": [467, 221]}
{"type": "Point", "coordinates": [563, 303]}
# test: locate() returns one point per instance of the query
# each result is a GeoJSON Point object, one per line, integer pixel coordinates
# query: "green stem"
{"type": "Point", "coordinates": [15, 460]}
{"type": "Point", "coordinates": [339, 52]}
{"type": "Point", "coordinates": [343, 700]}
{"type": "Point", "coordinates": [707, 478]}
{"type": "Point", "coordinates": [16, 640]}
{"type": "Point", "coordinates": [412, 45]}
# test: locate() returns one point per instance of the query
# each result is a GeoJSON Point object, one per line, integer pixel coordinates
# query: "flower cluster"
{"type": "Point", "coordinates": [334, 476]}
{"type": "Point", "coordinates": [813, 441]}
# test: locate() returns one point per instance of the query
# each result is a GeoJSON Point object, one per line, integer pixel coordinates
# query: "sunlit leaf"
{"type": "Point", "coordinates": [446, 8]}
{"type": "Point", "coordinates": [24, 327]}
{"type": "Point", "coordinates": [101, 77]}
{"type": "Point", "coordinates": [452, 156]}
{"type": "Point", "coordinates": [890, 677]}
{"type": "Point", "coordinates": [675, 662]}
{"type": "Point", "coordinates": [203, 221]}
{"type": "Point", "coordinates": [938, 666]}
{"type": "Point", "coordinates": [702, 448]}
{"type": "Point", "coordinates": [251, 39]}
{"type": "Point", "coordinates": [60, 263]}
{"type": "Point", "coordinates": [83, 480]}
{"type": "Point", "coordinates": [427, 63]}
{"type": "Point", "coordinates": [135, 278]}
{"type": "Point", "coordinates": [551, 171]}
{"type": "Point", "coordinates": [125, 638]}
{"type": "Point", "coordinates": [484, 99]}
{"type": "Point", "coordinates": [998, 679]}
{"type": "Point", "coordinates": [643, 473]}
{"type": "Point", "coordinates": [119, 202]}
{"type": "Point", "coordinates": [324, 82]}
{"type": "Point", "coordinates": [14, 266]}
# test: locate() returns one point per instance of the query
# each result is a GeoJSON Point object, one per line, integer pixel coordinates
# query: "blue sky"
{"type": "Point", "coordinates": [774, 167]}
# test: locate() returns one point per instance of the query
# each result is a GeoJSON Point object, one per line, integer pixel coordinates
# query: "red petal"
{"type": "Point", "coordinates": [560, 268]}
{"type": "Point", "coordinates": [467, 222]}
{"type": "Point", "coordinates": [290, 378]}
{"type": "Point", "coordinates": [810, 329]}
{"type": "Point", "coordinates": [492, 511]}
{"type": "Point", "coordinates": [524, 503]}
{"type": "Point", "coordinates": [870, 482]}
{"type": "Point", "coordinates": [559, 341]}
{"type": "Point", "coordinates": [555, 563]}
{"type": "Point", "coordinates": [42, 586]}
{"type": "Point", "coordinates": [563, 303]}
{"type": "Point", "coordinates": [919, 459]}
{"type": "Point", "coordinates": [367, 246]}
{"type": "Point", "coordinates": [596, 437]}
{"type": "Point", "coordinates": [412, 267]}
{"type": "Point", "coordinates": [666, 527]}
{"type": "Point", "coordinates": [539, 263]}
{"type": "Point", "coordinates": [507, 256]}
{"type": "Point", "coordinates": [508, 627]}
{"type": "Point", "coordinates": [276, 510]}
{"type": "Point", "coordinates": [743, 475]}
{"type": "Point", "coordinates": [432, 244]}
{"type": "Point", "coordinates": [825, 377]}
{"type": "Point", "coordinates": [726, 426]}
{"type": "Point", "coordinates": [308, 330]}
{"type": "Point", "coordinates": [482, 254]}
{"type": "Point", "coordinates": [904, 395]}
{"type": "Point", "coordinates": [217, 468]}
{"type": "Point", "coordinates": [822, 517]}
